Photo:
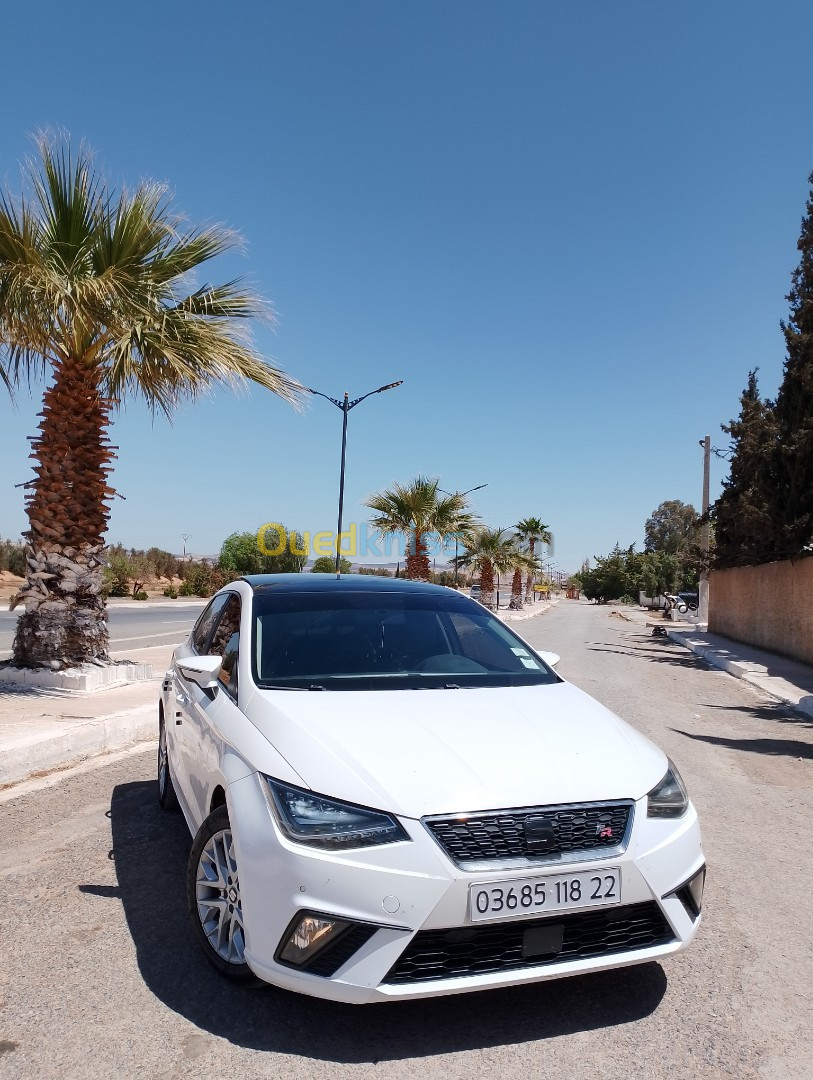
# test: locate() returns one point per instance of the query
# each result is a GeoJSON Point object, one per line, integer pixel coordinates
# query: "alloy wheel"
{"type": "Point", "coordinates": [217, 890]}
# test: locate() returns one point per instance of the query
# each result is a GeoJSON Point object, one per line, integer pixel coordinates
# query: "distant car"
{"type": "Point", "coordinates": [358, 841]}
{"type": "Point", "coordinates": [690, 599]}
{"type": "Point", "coordinates": [474, 592]}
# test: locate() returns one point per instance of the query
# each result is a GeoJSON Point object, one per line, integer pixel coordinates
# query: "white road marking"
{"type": "Point", "coordinates": [143, 637]}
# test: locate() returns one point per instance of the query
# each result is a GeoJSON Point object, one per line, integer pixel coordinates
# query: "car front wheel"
{"type": "Point", "coordinates": [213, 896]}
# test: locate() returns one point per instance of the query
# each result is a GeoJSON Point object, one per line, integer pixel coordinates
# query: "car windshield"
{"type": "Point", "coordinates": [379, 640]}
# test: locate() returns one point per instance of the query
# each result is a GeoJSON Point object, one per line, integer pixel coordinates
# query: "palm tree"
{"type": "Point", "coordinates": [529, 530]}
{"type": "Point", "coordinates": [522, 560]}
{"type": "Point", "coordinates": [419, 511]}
{"type": "Point", "coordinates": [94, 293]}
{"type": "Point", "coordinates": [489, 551]}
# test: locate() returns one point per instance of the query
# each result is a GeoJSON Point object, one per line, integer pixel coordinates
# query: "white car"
{"type": "Point", "coordinates": [393, 796]}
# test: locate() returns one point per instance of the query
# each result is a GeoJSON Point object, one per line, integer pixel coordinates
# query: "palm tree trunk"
{"type": "Point", "coordinates": [417, 561]}
{"type": "Point", "coordinates": [64, 622]}
{"type": "Point", "coordinates": [529, 580]}
{"type": "Point", "coordinates": [487, 584]}
{"type": "Point", "coordinates": [516, 587]}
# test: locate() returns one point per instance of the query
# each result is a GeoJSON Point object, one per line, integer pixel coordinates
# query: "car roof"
{"type": "Point", "coordinates": [328, 583]}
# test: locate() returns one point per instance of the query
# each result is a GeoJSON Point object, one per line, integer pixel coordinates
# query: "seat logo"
{"type": "Point", "coordinates": [539, 834]}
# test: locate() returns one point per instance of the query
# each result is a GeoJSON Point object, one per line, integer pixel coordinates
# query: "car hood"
{"type": "Point", "coordinates": [417, 752]}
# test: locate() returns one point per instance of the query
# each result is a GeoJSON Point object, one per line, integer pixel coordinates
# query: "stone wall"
{"type": "Point", "coordinates": [768, 606]}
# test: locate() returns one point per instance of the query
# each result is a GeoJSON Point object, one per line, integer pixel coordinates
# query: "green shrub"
{"type": "Point", "coordinates": [12, 557]}
{"type": "Point", "coordinates": [200, 580]}
{"type": "Point", "coordinates": [171, 592]}
{"type": "Point", "coordinates": [140, 595]}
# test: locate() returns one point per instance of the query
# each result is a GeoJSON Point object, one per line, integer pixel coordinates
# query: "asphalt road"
{"type": "Point", "coordinates": [132, 627]}
{"type": "Point", "coordinates": [100, 976]}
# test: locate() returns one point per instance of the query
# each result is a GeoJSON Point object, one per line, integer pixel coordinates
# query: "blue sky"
{"type": "Point", "coordinates": [568, 227]}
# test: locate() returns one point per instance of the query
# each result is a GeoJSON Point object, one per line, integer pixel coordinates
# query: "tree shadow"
{"type": "Point", "coordinates": [150, 850]}
{"type": "Point", "coordinates": [773, 747]}
{"type": "Point", "coordinates": [777, 712]}
{"type": "Point", "coordinates": [652, 653]}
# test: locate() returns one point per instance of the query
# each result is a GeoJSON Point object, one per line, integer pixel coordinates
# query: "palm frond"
{"type": "Point", "coordinates": [102, 276]}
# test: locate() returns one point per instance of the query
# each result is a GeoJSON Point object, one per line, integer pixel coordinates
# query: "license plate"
{"type": "Point", "coordinates": [553, 892]}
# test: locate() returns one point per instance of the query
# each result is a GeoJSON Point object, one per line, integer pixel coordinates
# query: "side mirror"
{"type": "Point", "coordinates": [550, 658]}
{"type": "Point", "coordinates": [202, 670]}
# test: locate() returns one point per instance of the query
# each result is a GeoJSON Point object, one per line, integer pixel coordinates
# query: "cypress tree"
{"type": "Point", "coordinates": [792, 505]}
{"type": "Point", "coordinates": [745, 528]}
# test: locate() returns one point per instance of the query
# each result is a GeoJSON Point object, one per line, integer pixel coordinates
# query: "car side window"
{"type": "Point", "coordinates": [226, 642]}
{"type": "Point", "coordinates": [203, 627]}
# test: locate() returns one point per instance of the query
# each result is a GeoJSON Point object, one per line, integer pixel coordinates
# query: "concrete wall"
{"type": "Point", "coordinates": [769, 606]}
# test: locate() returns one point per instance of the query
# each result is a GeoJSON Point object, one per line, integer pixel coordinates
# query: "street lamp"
{"type": "Point", "coordinates": [346, 405]}
{"type": "Point", "coordinates": [462, 494]}
{"type": "Point", "coordinates": [703, 584]}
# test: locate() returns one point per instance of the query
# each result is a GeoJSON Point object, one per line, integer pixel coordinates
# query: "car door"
{"type": "Point", "coordinates": [207, 710]}
{"type": "Point", "coordinates": [180, 717]}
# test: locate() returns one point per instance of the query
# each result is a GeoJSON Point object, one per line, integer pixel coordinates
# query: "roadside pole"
{"type": "Point", "coordinates": [703, 592]}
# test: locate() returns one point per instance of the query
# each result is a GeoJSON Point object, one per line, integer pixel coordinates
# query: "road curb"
{"type": "Point", "coordinates": [37, 756]}
{"type": "Point", "coordinates": [523, 614]}
{"type": "Point", "coordinates": [755, 675]}
{"type": "Point", "coordinates": [84, 679]}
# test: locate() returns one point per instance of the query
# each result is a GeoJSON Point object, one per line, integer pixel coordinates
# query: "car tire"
{"type": "Point", "coordinates": [167, 799]}
{"type": "Point", "coordinates": [213, 898]}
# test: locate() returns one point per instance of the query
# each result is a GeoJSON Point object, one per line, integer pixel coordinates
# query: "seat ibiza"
{"type": "Point", "coordinates": [393, 796]}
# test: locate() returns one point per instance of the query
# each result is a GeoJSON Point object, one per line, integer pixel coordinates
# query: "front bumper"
{"type": "Point", "coordinates": [414, 901]}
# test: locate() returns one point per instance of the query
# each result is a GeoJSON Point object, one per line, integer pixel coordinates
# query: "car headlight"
{"type": "Point", "coordinates": [318, 821]}
{"type": "Point", "coordinates": [668, 799]}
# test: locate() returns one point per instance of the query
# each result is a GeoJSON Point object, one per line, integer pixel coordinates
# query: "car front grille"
{"type": "Point", "coordinates": [504, 838]}
{"type": "Point", "coordinates": [479, 950]}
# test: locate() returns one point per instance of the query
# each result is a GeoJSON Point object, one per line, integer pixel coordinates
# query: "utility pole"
{"type": "Point", "coordinates": [703, 592]}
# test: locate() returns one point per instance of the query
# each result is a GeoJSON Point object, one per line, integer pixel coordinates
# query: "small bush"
{"type": "Point", "coordinates": [200, 580]}
{"type": "Point", "coordinates": [171, 592]}
{"type": "Point", "coordinates": [140, 595]}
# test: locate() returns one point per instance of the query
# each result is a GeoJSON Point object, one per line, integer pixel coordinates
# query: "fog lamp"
{"type": "Point", "coordinates": [309, 936]}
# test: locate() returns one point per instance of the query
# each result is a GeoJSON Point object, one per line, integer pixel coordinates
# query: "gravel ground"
{"type": "Point", "coordinates": [100, 976]}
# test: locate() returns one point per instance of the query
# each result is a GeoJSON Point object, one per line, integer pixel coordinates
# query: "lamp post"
{"type": "Point", "coordinates": [462, 495]}
{"type": "Point", "coordinates": [346, 405]}
{"type": "Point", "coordinates": [703, 584]}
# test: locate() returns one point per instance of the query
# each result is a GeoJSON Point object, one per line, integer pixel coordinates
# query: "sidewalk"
{"type": "Point", "coordinates": [46, 729]}
{"type": "Point", "coordinates": [787, 680]}
{"type": "Point", "coordinates": [538, 607]}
